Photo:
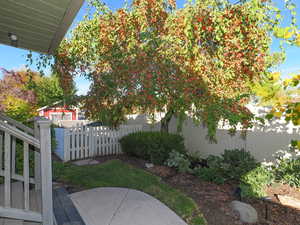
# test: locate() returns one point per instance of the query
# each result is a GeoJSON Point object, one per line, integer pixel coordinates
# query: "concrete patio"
{"type": "Point", "coordinates": [119, 206]}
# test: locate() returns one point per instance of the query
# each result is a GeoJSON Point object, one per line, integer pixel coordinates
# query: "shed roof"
{"type": "Point", "coordinates": [39, 25]}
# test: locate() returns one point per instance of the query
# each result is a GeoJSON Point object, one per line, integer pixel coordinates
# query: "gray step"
{"type": "Point", "coordinates": [64, 210]}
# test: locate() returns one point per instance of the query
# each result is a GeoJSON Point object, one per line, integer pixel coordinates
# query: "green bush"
{"type": "Point", "coordinates": [237, 162]}
{"type": "Point", "coordinates": [212, 174]}
{"type": "Point", "coordinates": [285, 167]}
{"type": "Point", "coordinates": [152, 146]}
{"type": "Point", "coordinates": [179, 161]}
{"type": "Point", "coordinates": [253, 183]}
{"type": "Point", "coordinates": [231, 165]}
{"type": "Point", "coordinates": [288, 172]}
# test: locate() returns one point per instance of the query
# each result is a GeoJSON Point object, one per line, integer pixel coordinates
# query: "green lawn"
{"type": "Point", "coordinates": [118, 174]}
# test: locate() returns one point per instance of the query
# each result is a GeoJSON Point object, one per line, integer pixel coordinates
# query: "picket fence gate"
{"type": "Point", "coordinates": [82, 142]}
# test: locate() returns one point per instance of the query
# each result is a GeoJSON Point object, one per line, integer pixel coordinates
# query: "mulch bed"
{"type": "Point", "coordinates": [214, 199]}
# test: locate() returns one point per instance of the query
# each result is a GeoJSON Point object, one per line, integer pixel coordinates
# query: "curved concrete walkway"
{"type": "Point", "coordinates": [121, 206]}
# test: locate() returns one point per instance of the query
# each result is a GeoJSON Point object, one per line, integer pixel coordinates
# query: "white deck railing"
{"type": "Point", "coordinates": [15, 135]}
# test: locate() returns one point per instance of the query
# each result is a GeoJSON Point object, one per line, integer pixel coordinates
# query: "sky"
{"type": "Point", "coordinates": [14, 58]}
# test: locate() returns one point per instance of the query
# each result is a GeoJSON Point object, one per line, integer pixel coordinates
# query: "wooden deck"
{"type": "Point", "coordinates": [64, 210]}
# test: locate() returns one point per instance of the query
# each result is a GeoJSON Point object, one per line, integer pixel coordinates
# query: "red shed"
{"type": "Point", "coordinates": [56, 112]}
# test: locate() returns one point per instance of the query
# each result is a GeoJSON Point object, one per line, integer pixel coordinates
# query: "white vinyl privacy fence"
{"type": "Point", "coordinates": [261, 140]}
{"type": "Point", "coordinates": [82, 142]}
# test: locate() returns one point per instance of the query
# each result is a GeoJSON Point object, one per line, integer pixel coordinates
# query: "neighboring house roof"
{"type": "Point", "coordinates": [39, 25]}
{"type": "Point", "coordinates": [56, 105]}
{"type": "Point", "coordinates": [49, 106]}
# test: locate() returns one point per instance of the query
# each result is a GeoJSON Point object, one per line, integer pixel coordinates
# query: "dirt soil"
{"type": "Point", "coordinates": [214, 199]}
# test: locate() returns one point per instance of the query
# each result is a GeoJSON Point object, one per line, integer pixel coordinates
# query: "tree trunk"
{"type": "Point", "coordinates": [165, 121]}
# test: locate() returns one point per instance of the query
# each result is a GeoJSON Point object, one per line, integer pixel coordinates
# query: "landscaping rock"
{"type": "Point", "coordinates": [289, 201]}
{"type": "Point", "coordinates": [85, 162]}
{"type": "Point", "coordinates": [149, 165]}
{"type": "Point", "coordinates": [247, 213]}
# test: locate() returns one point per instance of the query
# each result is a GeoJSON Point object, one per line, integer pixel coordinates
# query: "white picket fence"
{"type": "Point", "coordinates": [82, 142]}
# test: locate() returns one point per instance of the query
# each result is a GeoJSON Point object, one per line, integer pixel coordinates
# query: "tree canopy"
{"type": "Point", "coordinates": [197, 61]}
{"type": "Point", "coordinates": [283, 96]}
{"type": "Point", "coordinates": [23, 92]}
{"type": "Point", "coordinates": [16, 98]}
{"type": "Point", "coordinates": [49, 91]}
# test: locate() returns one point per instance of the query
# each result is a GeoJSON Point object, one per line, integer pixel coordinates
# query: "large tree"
{"type": "Point", "coordinates": [154, 57]}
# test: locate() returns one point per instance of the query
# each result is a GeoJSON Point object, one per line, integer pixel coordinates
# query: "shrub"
{"type": "Point", "coordinates": [231, 165]}
{"type": "Point", "coordinates": [237, 163]}
{"type": "Point", "coordinates": [214, 161]}
{"type": "Point", "coordinates": [152, 146]}
{"type": "Point", "coordinates": [179, 161]}
{"type": "Point", "coordinates": [288, 172]}
{"type": "Point", "coordinates": [194, 156]}
{"type": "Point", "coordinates": [212, 174]}
{"type": "Point", "coordinates": [286, 167]}
{"type": "Point", "coordinates": [254, 182]}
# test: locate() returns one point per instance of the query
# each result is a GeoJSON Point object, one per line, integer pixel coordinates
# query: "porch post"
{"type": "Point", "coordinates": [46, 172]}
{"type": "Point", "coordinates": [1, 149]}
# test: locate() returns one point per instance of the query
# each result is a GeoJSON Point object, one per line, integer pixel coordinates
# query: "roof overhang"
{"type": "Point", "coordinates": [39, 25]}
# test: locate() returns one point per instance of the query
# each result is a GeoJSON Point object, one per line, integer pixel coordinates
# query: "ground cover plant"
{"type": "Point", "coordinates": [240, 167]}
{"type": "Point", "coordinates": [253, 184]}
{"type": "Point", "coordinates": [118, 174]}
{"type": "Point", "coordinates": [230, 166]}
{"type": "Point", "coordinates": [283, 169]}
{"type": "Point", "coordinates": [179, 161]}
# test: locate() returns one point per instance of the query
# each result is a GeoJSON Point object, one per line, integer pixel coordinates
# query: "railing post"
{"type": "Point", "coordinates": [1, 149]}
{"type": "Point", "coordinates": [37, 156]}
{"type": "Point", "coordinates": [46, 172]}
{"type": "Point", "coordinates": [7, 170]}
{"type": "Point", "coordinates": [13, 155]}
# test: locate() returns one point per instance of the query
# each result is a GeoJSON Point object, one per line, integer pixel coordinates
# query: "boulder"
{"type": "Point", "coordinates": [289, 201]}
{"type": "Point", "coordinates": [149, 165]}
{"type": "Point", "coordinates": [247, 213]}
